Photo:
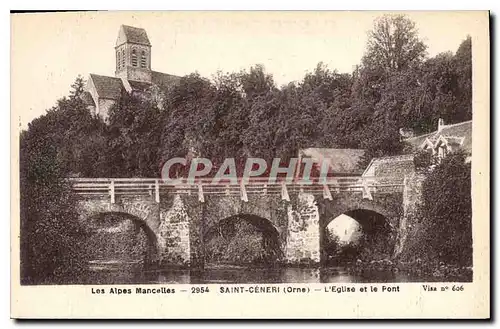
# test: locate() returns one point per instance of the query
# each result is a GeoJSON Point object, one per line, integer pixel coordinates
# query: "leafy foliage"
{"type": "Point", "coordinates": [245, 114]}
{"type": "Point", "coordinates": [53, 243]}
{"type": "Point", "coordinates": [447, 212]}
{"type": "Point", "coordinates": [394, 44]}
{"type": "Point", "coordinates": [424, 160]}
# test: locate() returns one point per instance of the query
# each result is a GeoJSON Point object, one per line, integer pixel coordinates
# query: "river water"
{"type": "Point", "coordinates": [113, 274]}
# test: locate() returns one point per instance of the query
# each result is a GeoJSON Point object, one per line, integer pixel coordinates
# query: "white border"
{"type": "Point", "coordinates": [189, 5]}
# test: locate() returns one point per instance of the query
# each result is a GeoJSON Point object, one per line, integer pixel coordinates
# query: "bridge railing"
{"type": "Point", "coordinates": [254, 186]}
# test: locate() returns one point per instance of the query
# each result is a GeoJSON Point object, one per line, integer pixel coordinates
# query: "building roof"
{"type": "Point", "coordinates": [458, 133]}
{"type": "Point", "coordinates": [139, 85]}
{"type": "Point", "coordinates": [164, 80]}
{"type": "Point", "coordinates": [111, 87]}
{"type": "Point", "coordinates": [391, 166]}
{"type": "Point", "coordinates": [341, 160]}
{"type": "Point", "coordinates": [107, 87]}
{"type": "Point", "coordinates": [130, 34]}
{"type": "Point", "coordinates": [87, 99]}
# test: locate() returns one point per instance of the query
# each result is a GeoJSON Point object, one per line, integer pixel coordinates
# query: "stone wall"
{"type": "Point", "coordinates": [387, 204]}
{"type": "Point", "coordinates": [90, 87]}
{"type": "Point", "coordinates": [174, 230]}
{"type": "Point", "coordinates": [104, 106]}
{"type": "Point", "coordinates": [197, 219]}
{"type": "Point", "coordinates": [303, 240]}
{"type": "Point", "coordinates": [412, 198]}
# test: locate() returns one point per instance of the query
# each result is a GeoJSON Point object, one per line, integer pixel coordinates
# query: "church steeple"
{"type": "Point", "coordinates": [133, 54]}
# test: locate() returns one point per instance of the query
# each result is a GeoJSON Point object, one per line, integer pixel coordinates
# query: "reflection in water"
{"type": "Point", "coordinates": [233, 274]}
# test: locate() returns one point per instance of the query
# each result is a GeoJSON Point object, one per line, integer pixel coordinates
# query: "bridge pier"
{"type": "Point", "coordinates": [174, 231]}
{"type": "Point", "coordinates": [303, 234]}
{"type": "Point", "coordinates": [197, 226]}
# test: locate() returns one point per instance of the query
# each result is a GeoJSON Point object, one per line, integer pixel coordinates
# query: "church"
{"type": "Point", "coordinates": [133, 73]}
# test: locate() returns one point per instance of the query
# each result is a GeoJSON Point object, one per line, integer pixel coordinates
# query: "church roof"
{"type": "Point", "coordinates": [132, 34]}
{"type": "Point", "coordinates": [164, 80]}
{"type": "Point", "coordinates": [87, 99]}
{"type": "Point", "coordinates": [107, 87]}
{"type": "Point", "coordinates": [140, 86]}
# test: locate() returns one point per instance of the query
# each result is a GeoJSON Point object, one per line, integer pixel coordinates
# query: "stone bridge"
{"type": "Point", "coordinates": [178, 219]}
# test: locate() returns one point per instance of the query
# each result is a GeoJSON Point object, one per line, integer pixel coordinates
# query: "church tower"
{"type": "Point", "coordinates": [133, 74]}
{"type": "Point", "coordinates": [133, 54]}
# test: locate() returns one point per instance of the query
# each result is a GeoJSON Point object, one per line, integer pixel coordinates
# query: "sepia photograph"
{"type": "Point", "coordinates": [230, 148]}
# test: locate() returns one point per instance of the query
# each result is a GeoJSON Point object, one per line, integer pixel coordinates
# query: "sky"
{"type": "Point", "coordinates": [48, 51]}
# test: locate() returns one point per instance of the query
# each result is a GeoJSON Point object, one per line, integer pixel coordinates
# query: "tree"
{"type": "Point", "coordinates": [434, 96]}
{"type": "Point", "coordinates": [263, 103]}
{"type": "Point", "coordinates": [443, 90]}
{"type": "Point", "coordinates": [189, 125]}
{"type": "Point", "coordinates": [463, 62]}
{"type": "Point", "coordinates": [77, 88]}
{"type": "Point", "coordinates": [326, 95]}
{"type": "Point", "coordinates": [135, 126]}
{"type": "Point", "coordinates": [382, 85]}
{"type": "Point", "coordinates": [393, 44]}
{"type": "Point", "coordinates": [447, 212]}
{"type": "Point", "coordinates": [53, 241]}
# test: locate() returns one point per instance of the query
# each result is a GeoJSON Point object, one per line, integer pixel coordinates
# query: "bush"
{"type": "Point", "coordinates": [423, 161]}
{"type": "Point", "coordinates": [446, 211]}
{"type": "Point", "coordinates": [52, 240]}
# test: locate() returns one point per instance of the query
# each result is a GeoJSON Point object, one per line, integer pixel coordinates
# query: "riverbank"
{"type": "Point", "coordinates": [434, 271]}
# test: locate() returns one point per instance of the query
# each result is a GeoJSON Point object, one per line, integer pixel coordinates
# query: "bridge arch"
{"type": "Point", "coordinates": [332, 211]}
{"type": "Point", "coordinates": [127, 216]}
{"type": "Point", "coordinates": [94, 218]}
{"type": "Point", "coordinates": [270, 242]}
{"type": "Point", "coordinates": [376, 225]}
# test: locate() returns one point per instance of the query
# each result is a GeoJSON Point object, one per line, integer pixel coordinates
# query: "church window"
{"type": "Point", "coordinates": [123, 58]}
{"type": "Point", "coordinates": [143, 59]}
{"type": "Point", "coordinates": [134, 58]}
{"type": "Point", "coordinates": [118, 60]}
